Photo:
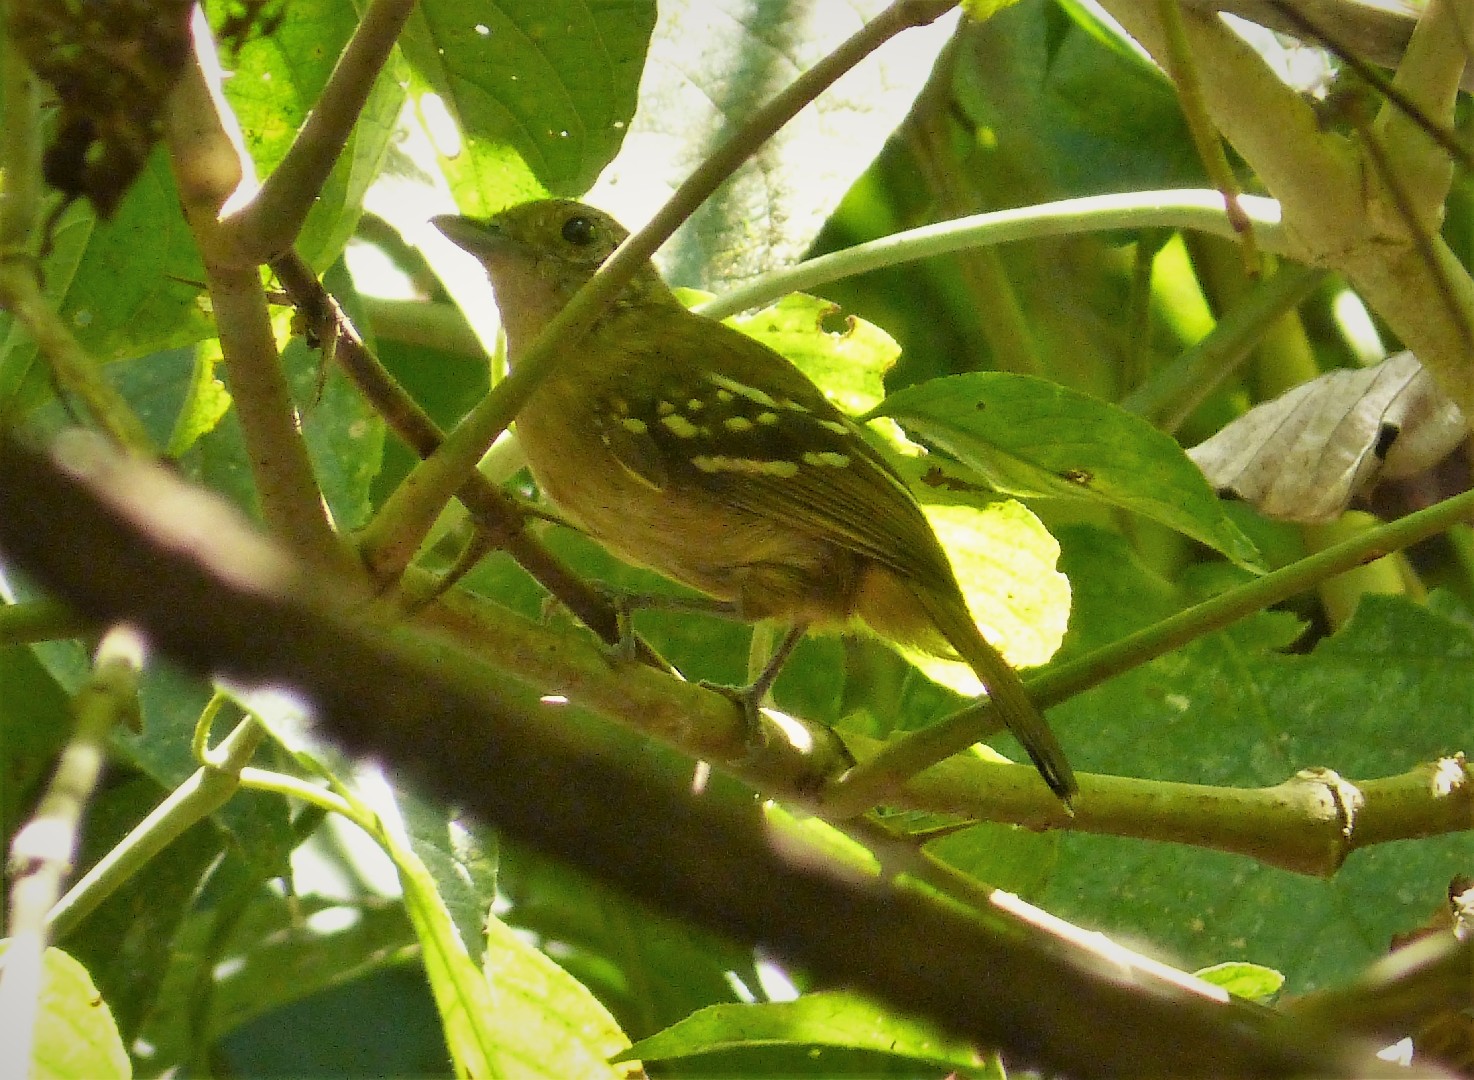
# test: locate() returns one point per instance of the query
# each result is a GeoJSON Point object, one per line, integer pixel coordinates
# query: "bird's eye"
{"type": "Point", "coordinates": [579, 230]}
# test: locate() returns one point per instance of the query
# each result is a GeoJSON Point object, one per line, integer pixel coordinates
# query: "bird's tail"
{"type": "Point", "coordinates": [1006, 690]}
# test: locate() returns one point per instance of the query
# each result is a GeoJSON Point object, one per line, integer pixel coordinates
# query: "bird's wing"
{"type": "Point", "coordinates": [753, 432]}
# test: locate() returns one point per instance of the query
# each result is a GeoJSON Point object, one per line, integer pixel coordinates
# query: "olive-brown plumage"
{"type": "Point", "coordinates": [688, 447]}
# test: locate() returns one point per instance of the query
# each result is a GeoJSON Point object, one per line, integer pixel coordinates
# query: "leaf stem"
{"type": "Point", "coordinates": [208, 789]}
{"type": "Point", "coordinates": [1180, 386]}
{"type": "Point", "coordinates": [1191, 208]}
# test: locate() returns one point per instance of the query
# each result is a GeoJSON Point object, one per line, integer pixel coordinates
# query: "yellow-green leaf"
{"type": "Point", "coordinates": [76, 1037]}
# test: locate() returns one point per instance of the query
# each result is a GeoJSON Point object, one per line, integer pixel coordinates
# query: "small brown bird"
{"type": "Point", "coordinates": [685, 446]}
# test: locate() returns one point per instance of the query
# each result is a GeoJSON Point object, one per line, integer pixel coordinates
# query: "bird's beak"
{"type": "Point", "coordinates": [482, 239]}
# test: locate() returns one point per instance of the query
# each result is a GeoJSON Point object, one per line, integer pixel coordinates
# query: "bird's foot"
{"type": "Point", "coordinates": [750, 700]}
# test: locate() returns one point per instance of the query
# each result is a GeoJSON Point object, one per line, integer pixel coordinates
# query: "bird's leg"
{"type": "Point", "coordinates": [757, 691]}
{"type": "Point", "coordinates": [750, 698]}
{"type": "Point", "coordinates": [626, 604]}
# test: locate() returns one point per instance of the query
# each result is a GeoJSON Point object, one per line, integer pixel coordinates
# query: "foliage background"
{"type": "Point", "coordinates": [218, 957]}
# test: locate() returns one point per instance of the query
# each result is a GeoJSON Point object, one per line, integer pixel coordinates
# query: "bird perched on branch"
{"type": "Point", "coordinates": [687, 447]}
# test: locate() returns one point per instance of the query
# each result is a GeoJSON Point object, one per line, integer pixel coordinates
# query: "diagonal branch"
{"type": "Point", "coordinates": [269, 223]}
{"type": "Point", "coordinates": [707, 859]}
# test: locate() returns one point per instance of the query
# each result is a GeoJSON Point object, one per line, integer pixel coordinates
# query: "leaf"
{"type": "Point", "coordinates": [849, 364]}
{"type": "Point", "coordinates": [1233, 709]}
{"type": "Point", "coordinates": [35, 723]}
{"type": "Point", "coordinates": [205, 404]}
{"type": "Point", "coordinates": [461, 855]}
{"type": "Point", "coordinates": [76, 1038]}
{"type": "Point", "coordinates": [546, 1023]}
{"type": "Point", "coordinates": [712, 64]}
{"type": "Point", "coordinates": [1304, 455]}
{"type": "Point", "coordinates": [827, 1018]}
{"type": "Point", "coordinates": [518, 1016]}
{"type": "Point", "coordinates": [125, 287]}
{"type": "Point", "coordinates": [344, 433]}
{"type": "Point", "coordinates": [1039, 94]}
{"type": "Point", "coordinates": [542, 88]}
{"type": "Point", "coordinates": [1031, 437]}
{"type": "Point", "coordinates": [280, 950]}
{"type": "Point", "coordinates": [1005, 561]}
{"type": "Point", "coordinates": [1253, 982]}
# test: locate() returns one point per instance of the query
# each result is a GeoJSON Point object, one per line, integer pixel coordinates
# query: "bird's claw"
{"type": "Point", "coordinates": [749, 700]}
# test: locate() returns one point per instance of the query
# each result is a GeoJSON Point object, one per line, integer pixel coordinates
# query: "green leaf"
{"type": "Point", "coordinates": [76, 1038]}
{"type": "Point", "coordinates": [850, 364]}
{"type": "Point", "coordinates": [979, 10]}
{"type": "Point", "coordinates": [205, 404]}
{"type": "Point", "coordinates": [344, 433]}
{"type": "Point", "coordinates": [538, 88]}
{"type": "Point", "coordinates": [546, 1024]}
{"type": "Point", "coordinates": [275, 951]}
{"type": "Point", "coordinates": [1005, 561]}
{"type": "Point", "coordinates": [35, 722]}
{"type": "Point", "coordinates": [1253, 982]}
{"type": "Point", "coordinates": [520, 1015]}
{"type": "Point", "coordinates": [828, 1018]}
{"type": "Point", "coordinates": [1032, 437]}
{"type": "Point", "coordinates": [1232, 709]}
{"type": "Point", "coordinates": [125, 287]}
{"type": "Point", "coordinates": [461, 855]}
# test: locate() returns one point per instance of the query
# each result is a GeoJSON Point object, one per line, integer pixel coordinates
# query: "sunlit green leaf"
{"type": "Point", "coordinates": [1032, 437]}
{"type": "Point", "coordinates": [538, 88]}
{"type": "Point", "coordinates": [820, 1019]}
{"type": "Point", "coordinates": [75, 1036]}
{"type": "Point", "coordinates": [847, 360]}
{"type": "Point", "coordinates": [1254, 982]}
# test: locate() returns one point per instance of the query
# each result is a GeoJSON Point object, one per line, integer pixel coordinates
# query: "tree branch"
{"type": "Point", "coordinates": [708, 859]}
{"type": "Point", "coordinates": [209, 164]}
{"type": "Point", "coordinates": [267, 225]}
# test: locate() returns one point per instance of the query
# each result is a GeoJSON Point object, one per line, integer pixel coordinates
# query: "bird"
{"type": "Point", "coordinates": [685, 446]}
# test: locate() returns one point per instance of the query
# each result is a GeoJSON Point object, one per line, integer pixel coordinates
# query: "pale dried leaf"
{"type": "Point", "coordinates": [1304, 456]}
